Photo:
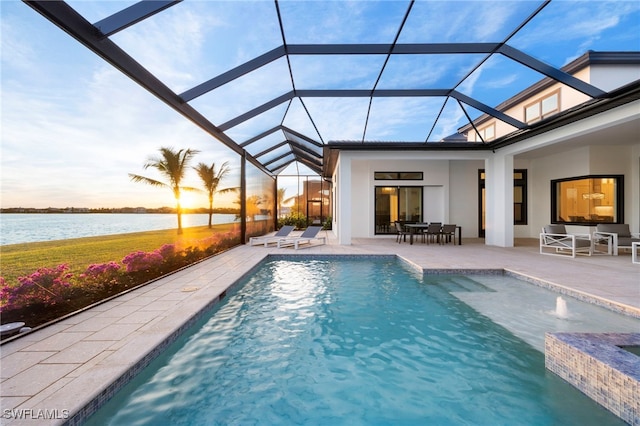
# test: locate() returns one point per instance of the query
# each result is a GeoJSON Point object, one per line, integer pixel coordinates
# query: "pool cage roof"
{"type": "Point", "coordinates": [277, 81]}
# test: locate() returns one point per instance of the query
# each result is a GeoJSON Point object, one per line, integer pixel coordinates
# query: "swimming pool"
{"type": "Point", "coordinates": [354, 342]}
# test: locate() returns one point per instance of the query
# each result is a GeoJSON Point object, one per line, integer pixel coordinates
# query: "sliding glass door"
{"type": "Point", "coordinates": [396, 204]}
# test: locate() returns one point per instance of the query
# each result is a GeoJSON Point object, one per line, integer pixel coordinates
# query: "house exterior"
{"type": "Point", "coordinates": [580, 156]}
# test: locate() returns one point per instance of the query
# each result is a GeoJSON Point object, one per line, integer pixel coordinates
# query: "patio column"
{"type": "Point", "coordinates": [499, 200]}
{"type": "Point", "coordinates": [343, 199]}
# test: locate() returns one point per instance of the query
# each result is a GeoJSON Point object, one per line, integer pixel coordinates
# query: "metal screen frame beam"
{"type": "Point", "coordinates": [363, 93]}
{"type": "Point", "coordinates": [551, 72]}
{"type": "Point", "coordinates": [65, 17]}
{"type": "Point", "coordinates": [132, 15]}
{"type": "Point", "coordinates": [234, 73]}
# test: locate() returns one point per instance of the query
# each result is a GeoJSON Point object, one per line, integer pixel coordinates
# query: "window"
{"type": "Point", "coordinates": [396, 204]}
{"type": "Point", "coordinates": [542, 108]}
{"type": "Point", "coordinates": [588, 200]}
{"type": "Point", "coordinates": [397, 176]}
{"type": "Point", "coordinates": [519, 199]}
{"type": "Point", "coordinates": [486, 133]}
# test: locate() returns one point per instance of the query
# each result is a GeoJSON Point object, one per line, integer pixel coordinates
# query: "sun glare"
{"type": "Point", "coordinates": [188, 200]}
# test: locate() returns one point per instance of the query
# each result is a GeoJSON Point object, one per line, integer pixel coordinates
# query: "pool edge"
{"type": "Point", "coordinates": [104, 395]}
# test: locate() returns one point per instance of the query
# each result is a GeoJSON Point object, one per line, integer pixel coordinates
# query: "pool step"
{"type": "Point", "coordinates": [460, 283]}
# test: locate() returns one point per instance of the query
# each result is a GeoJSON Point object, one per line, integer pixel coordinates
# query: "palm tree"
{"type": "Point", "coordinates": [281, 200]}
{"type": "Point", "coordinates": [172, 165]}
{"type": "Point", "coordinates": [211, 179]}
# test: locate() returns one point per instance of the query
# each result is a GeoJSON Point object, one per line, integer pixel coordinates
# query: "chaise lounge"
{"type": "Point", "coordinates": [555, 240]}
{"type": "Point", "coordinates": [310, 234]}
{"type": "Point", "coordinates": [616, 236]}
{"type": "Point", "coordinates": [282, 233]}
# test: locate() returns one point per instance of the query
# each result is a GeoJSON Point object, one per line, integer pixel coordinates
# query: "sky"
{"type": "Point", "coordinates": [72, 127]}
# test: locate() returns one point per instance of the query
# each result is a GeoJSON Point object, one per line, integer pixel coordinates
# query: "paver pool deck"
{"type": "Point", "coordinates": [62, 367]}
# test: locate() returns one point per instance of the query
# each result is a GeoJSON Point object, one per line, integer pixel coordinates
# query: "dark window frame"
{"type": "Point", "coordinates": [384, 230]}
{"type": "Point", "coordinates": [618, 202]}
{"type": "Point", "coordinates": [523, 183]}
{"type": "Point", "coordinates": [398, 176]}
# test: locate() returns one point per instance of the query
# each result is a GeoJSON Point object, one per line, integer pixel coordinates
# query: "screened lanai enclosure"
{"type": "Point", "coordinates": [279, 83]}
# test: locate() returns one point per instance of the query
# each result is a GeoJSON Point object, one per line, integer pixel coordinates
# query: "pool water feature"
{"type": "Point", "coordinates": [351, 342]}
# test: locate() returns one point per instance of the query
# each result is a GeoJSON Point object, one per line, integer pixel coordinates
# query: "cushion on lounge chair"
{"type": "Point", "coordinates": [555, 240]}
{"type": "Point", "coordinates": [622, 229]}
{"type": "Point", "coordinates": [555, 229]}
{"type": "Point", "coordinates": [561, 229]}
{"type": "Point", "coordinates": [282, 233]}
{"type": "Point", "coordinates": [623, 237]}
{"type": "Point", "coordinates": [309, 234]}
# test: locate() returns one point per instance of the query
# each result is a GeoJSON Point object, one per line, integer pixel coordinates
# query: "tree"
{"type": "Point", "coordinates": [211, 179]}
{"type": "Point", "coordinates": [281, 200]}
{"type": "Point", "coordinates": [172, 165]}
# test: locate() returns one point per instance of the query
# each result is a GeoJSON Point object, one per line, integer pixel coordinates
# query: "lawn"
{"type": "Point", "coordinates": [22, 259]}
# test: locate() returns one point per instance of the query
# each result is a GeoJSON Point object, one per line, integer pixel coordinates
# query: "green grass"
{"type": "Point", "coordinates": [22, 259]}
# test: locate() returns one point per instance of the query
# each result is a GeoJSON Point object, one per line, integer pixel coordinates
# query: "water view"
{"type": "Point", "coordinates": [28, 228]}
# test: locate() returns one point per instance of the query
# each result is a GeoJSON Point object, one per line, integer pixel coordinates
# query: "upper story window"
{"type": "Point", "coordinates": [486, 133]}
{"type": "Point", "coordinates": [543, 107]}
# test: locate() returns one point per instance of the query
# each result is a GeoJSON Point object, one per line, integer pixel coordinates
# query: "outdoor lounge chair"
{"type": "Point", "coordinates": [282, 233]}
{"type": "Point", "coordinates": [561, 243]}
{"type": "Point", "coordinates": [615, 236]}
{"type": "Point", "coordinates": [309, 234]}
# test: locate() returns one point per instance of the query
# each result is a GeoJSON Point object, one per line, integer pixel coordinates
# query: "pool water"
{"type": "Point", "coordinates": [353, 342]}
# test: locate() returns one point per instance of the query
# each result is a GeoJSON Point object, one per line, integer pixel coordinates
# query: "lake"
{"type": "Point", "coordinates": [27, 228]}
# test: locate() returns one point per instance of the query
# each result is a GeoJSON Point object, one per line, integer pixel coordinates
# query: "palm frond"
{"type": "Point", "coordinates": [190, 189]}
{"type": "Point", "coordinates": [148, 181]}
{"type": "Point", "coordinates": [228, 190]}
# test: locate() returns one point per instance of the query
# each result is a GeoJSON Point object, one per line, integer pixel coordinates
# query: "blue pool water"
{"type": "Point", "coordinates": [355, 342]}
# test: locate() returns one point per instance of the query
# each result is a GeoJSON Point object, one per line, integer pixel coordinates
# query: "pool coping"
{"type": "Point", "coordinates": [106, 394]}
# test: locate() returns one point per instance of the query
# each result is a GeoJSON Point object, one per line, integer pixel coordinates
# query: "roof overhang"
{"type": "Point", "coordinates": [624, 95]}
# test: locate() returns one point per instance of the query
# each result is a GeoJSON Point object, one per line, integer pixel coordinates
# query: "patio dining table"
{"type": "Point", "coordinates": [415, 227]}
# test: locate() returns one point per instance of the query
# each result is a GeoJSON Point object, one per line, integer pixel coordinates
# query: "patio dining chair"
{"type": "Point", "coordinates": [401, 233]}
{"type": "Point", "coordinates": [448, 234]}
{"type": "Point", "coordinates": [433, 233]}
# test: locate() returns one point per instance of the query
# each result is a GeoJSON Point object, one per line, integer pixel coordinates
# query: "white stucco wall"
{"type": "Point", "coordinates": [456, 173]}
{"type": "Point", "coordinates": [610, 77]}
{"type": "Point", "coordinates": [450, 187]}
{"type": "Point", "coordinates": [541, 172]}
{"type": "Point", "coordinates": [464, 199]}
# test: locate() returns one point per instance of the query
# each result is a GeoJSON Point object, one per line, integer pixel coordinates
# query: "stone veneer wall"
{"type": "Point", "coordinates": [598, 366]}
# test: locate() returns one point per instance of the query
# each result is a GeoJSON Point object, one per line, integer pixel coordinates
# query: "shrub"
{"type": "Point", "coordinates": [328, 223]}
{"type": "Point", "coordinates": [139, 261]}
{"type": "Point", "coordinates": [60, 292]}
{"type": "Point", "coordinates": [100, 277]}
{"type": "Point", "coordinates": [298, 220]}
{"type": "Point", "coordinates": [46, 286]}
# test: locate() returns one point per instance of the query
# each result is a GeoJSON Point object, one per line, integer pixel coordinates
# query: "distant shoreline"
{"type": "Point", "coordinates": [25, 228]}
{"type": "Point", "coordinates": [118, 210]}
